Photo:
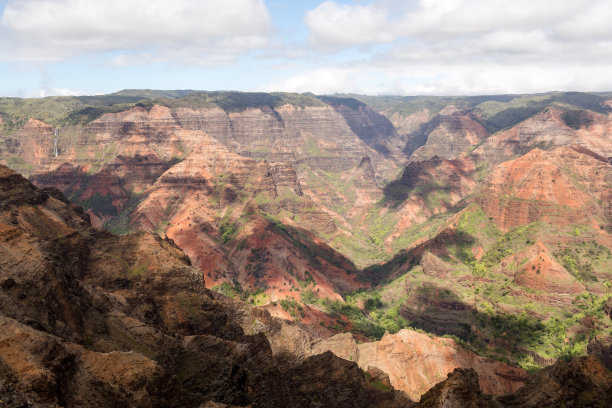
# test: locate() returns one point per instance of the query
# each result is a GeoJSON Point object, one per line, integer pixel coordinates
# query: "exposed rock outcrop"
{"type": "Point", "coordinates": [90, 319]}
{"type": "Point", "coordinates": [415, 362]}
{"type": "Point", "coordinates": [449, 135]}
{"type": "Point", "coordinates": [548, 186]}
{"type": "Point", "coordinates": [581, 382]}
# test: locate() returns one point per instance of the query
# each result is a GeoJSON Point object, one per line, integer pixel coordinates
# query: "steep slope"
{"type": "Point", "coordinates": [427, 188]}
{"type": "Point", "coordinates": [518, 124]}
{"type": "Point", "coordinates": [340, 150]}
{"type": "Point", "coordinates": [91, 319]}
{"type": "Point", "coordinates": [580, 382]}
{"type": "Point", "coordinates": [31, 147]}
{"type": "Point", "coordinates": [448, 135]}
{"type": "Point", "coordinates": [216, 193]}
{"type": "Point", "coordinates": [546, 130]}
{"type": "Point", "coordinates": [415, 362]}
{"type": "Point", "coordinates": [570, 185]}
{"type": "Point", "coordinates": [204, 194]}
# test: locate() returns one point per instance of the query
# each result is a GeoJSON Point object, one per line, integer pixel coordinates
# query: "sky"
{"type": "Point", "coordinates": [410, 47]}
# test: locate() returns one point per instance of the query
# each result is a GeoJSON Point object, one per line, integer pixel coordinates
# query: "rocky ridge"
{"type": "Point", "coordinates": [90, 319]}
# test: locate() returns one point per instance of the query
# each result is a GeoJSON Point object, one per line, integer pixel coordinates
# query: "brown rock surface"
{"type": "Point", "coordinates": [544, 130]}
{"type": "Point", "coordinates": [90, 319]}
{"type": "Point", "coordinates": [581, 382]}
{"type": "Point", "coordinates": [35, 142]}
{"type": "Point", "coordinates": [407, 124]}
{"type": "Point", "coordinates": [543, 272]}
{"type": "Point", "coordinates": [212, 184]}
{"type": "Point", "coordinates": [547, 130]}
{"type": "Point", "coordinates": [449, 135]}
{"type": "Point", "coordinates": [427, 188]}
{"type": "Point", "coordinates": [460, 389]}
{"type": "Point", "coordinates": [547, 186]}
{"type": "Point", "coordinates": [415, 362]}
{"type": "Point", "coordinates": [112, 161]}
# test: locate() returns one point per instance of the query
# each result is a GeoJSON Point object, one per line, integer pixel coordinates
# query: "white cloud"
{"type": "Point", "coordinates": [434, 79]}
{"type": "Point", "coordinates": [53, 29]}
{"type": "Point", "coordinates": [384, 21]}
{"type": "Point", "coordinates": [334, 25]}
{"type": "Point", "coordinates": [371, 46]}
{"type": "Point", "coordinates": [437, 18]}
{"type": "Point", "coordinates": [44, 92]}
{"type": "Point", "coordinates": [323, 80]}
{"type": "Point", "coordinates": [460, 46]}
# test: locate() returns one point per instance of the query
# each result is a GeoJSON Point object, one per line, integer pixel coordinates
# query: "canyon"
{"type": "Point", "coordinates": [387, 242]}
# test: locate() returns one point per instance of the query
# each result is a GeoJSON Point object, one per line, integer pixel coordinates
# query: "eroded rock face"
{"type": "Point", "coordinates": [536, 268]}
{"type": "Point", "coordinates": [581, 382]}
{"type": "Point", "coordinates": [408, 124]}
{"type": "Point", "coordinates": [415, 362]}
{"type": "Point", "coordinates": [32, 146]}
{"type": "Point", "coordinates": [283, 134]}
{"type": "Point", "coordinates": [89, 319]}
{"type": "Point", "coordinates": [546, 130]}
{"type": "Point", "coordinates": [189, 174]}
{"type": "Point", "coordinates": [428, 187]}
{"type": "Point", "coordinates": [449, 135]}
{"type": "Point", "coordinates": [211, 181]}
{"type": "Point", "coordinates": [546, 186]}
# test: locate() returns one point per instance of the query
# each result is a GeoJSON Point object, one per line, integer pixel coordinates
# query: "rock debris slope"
{"type": "Point", "coordinates": [90, 319]}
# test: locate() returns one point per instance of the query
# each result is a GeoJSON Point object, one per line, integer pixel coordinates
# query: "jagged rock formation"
{"type": "Point", "coordinates": [416, 362]}
{"type": "Point", "coordinates": [91, 319]}
{"type": "Point", "coordinates": [449, 135]}
{"type": "Point", "coordinates": [566, 186]}
{"type": "Point", "coordinates": [546, 130]}
{"type": "Point", "coordinates": [581, 382]}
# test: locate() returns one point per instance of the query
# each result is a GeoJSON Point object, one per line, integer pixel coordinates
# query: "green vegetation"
{"type": "Point", "coordinates": [304, 243]}
{"type": "Point", "coordinates": [234, 290]}
{"type": "Point", "coordinates": [237, 101]}
{"type": "Point", "coordinates": [489, 314]}
{"type": "Point", "coordinates": [101, 205]}
{"type": "Point", "coordinates": [60, 110]}
{"type": "Point", "coordinates": [227, 230]}
{"type": "Point", "coordinates": [513, 241]}
{"type": "Point", "coordinates": [137, 270]}
{"type": "Point", "coordinates": [229, 290]}
{"type": "Point", "coordinates": [576, 118]}
{"type": "Point", "coordinates": [580, 258]}
{"type": "Point", "coordinates": [68, 111]}
{"type": "Point", "coordinates": [292, 307]}
{"type": "Point", "coordinates": [519, 336]}
{"type": "Point", "coordinates": [496, 112]}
